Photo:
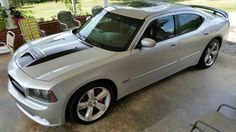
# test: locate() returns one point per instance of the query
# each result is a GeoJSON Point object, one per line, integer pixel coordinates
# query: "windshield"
{"type": "Point", "coordinates": [110, 31]}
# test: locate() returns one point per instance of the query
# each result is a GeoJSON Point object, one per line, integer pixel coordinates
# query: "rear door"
{"type": "Point", "coordinates": [193, 36]}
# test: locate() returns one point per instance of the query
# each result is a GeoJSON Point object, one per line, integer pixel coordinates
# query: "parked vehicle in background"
{"type": "Point", "coordinates": [121, 49]}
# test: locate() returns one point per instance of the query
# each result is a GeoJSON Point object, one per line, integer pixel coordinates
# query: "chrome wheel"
{"type": "Point", "coordinates": [93, 104]}
{"type": "Point", "coordinates": [211, 53]}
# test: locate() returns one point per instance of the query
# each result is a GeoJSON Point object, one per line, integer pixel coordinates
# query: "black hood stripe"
{"type": "Point", "coordinates": [56, 55]}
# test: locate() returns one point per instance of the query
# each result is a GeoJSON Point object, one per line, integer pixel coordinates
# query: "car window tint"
{"type": "Point", "coordinates": [189, 22]}
{"type": "Point", "coordinates": [116, 30]}
{"type": "Point", "coordinates": [110, 31]}
{"type": "Point", "coordinates": [161, 29]}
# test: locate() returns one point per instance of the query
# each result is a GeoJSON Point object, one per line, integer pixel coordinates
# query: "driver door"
{"type": "Point", "coordinates": [150, 64]}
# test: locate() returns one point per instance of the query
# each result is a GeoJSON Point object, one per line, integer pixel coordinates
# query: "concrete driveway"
{"type": "Point", "coordinates": [229, 46]}
{"type": "Point", "coordinates": [170, 105]}
{"type": "Point", "coordinates": [232, 34]}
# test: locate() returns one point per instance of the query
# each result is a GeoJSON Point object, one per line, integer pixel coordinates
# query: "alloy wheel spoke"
{"type": "Point", "coordinates": [83, 105]}
{"type": "Point", "coordinates": [91, 94]}
{"type": "Point", "coordinates": [100, 106]}
{"type": "Point", "coordinates": [207, 55]}
{"type": "Point", "coordinates": [102, 95]}
{"type": "Point", "coordinates": [89, 113]}
{"type": "Point", "coordinates": [206, 58]}
{"type": "Point", "coordinates": [213, 47]}
{"type": "Point", "coordinates": [209, 60]}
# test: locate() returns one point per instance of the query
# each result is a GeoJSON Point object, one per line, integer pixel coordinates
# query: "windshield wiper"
{"type": "Point", "coordinates": [89, 41]}
{"type": "Point", "coordinates": [81, 37]}
{"type": "Point", "coordinates": [93, 42]}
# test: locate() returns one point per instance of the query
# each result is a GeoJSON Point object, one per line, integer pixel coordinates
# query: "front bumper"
{"type": "Point", "coordinates": [47, 114]}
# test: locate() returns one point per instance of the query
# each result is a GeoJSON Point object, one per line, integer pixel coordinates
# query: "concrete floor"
{"type": "Point", "coordinates": [232, 33]}
{"type": "Point", "coordinates": [170, 105]}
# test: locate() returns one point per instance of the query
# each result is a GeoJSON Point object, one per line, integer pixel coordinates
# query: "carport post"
{"type": "Point", "coordinates": [10, 24]}
{"type": "Point", "coordinates": [105, 3]}
{"type": "Point", "coordinates": [74, 6]}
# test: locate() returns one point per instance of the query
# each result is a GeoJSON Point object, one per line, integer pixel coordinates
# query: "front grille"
{"type": "Point", "coordinates": [17, 86]}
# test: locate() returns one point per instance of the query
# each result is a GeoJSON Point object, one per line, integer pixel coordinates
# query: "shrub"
{"type": "Point", "coordinates": [2, 25]}
{"type": "Point", "coordinates": [3, 14]}
{"type": "Point", "coordinates": [14, 12]}
{"type": "Point", "coordinates": [41, 19]}
{"type": "Point", "coordinates": [54, 17]}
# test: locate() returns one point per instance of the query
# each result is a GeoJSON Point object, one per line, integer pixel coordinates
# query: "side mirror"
{"type": "Point", "coordinates": [96, 9]}
{"type": "Point", "coordinates": [148, 42]}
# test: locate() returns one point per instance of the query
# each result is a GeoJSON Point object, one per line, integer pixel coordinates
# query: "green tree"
{"type": "Point", "coordinates": [16, 3]}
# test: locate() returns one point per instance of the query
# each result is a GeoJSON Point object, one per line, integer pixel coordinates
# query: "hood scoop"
{"type": "Point", "coordinates": [31, 56]}
{"type": "Point", "coordinates": [37, 54]}
{"type": "Point", "coordinates": [25, 60]}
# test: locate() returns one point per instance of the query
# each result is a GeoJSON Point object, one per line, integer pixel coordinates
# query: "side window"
{"type": "Point", "coordinates": [160, 29]}
{"type": "Point", "coordinates": [189, 22]}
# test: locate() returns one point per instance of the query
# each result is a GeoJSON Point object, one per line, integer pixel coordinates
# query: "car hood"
{"type": "Point", "coordinates": [52, 56]}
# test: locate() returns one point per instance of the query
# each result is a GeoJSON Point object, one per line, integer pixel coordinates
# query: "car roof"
{"type": "Point", "coordinates": [140, 10]}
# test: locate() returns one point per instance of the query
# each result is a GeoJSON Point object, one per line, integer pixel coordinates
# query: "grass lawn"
{"type": "Point", "coordinates": [49, 9]}
{"type": "Point", "coordinates": [44, 10]}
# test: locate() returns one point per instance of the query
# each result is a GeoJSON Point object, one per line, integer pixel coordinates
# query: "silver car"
{"type": "Point", "coordinates": [80, 73]}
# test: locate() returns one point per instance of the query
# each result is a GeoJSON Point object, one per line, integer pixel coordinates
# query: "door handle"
{"type": "Point", "coordinates": [206, 33]}
{"type": "Point", "coordinates": [173, 45]}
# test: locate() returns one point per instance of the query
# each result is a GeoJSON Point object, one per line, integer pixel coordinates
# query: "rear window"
{"type": "Point", "coordinates": [189, 22]}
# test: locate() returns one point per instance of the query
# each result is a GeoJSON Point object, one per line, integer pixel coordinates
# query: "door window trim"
{"type": "Point", "coordinates": [178, 23]}
{"type": "Point", "coordinates": [156, 18]}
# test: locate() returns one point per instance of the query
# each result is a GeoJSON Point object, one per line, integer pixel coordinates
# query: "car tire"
{"type": "Point", "coordinates": [210, 54]}
{"type": "Point", "coordinates": [91, 103]}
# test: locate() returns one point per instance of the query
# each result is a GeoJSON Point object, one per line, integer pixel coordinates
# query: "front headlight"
{"type": "Point", "coordinates": [43, 95]}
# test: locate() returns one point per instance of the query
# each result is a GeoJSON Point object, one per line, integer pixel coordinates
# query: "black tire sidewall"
{"type": "Point", "coordinates": [76, 97]}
